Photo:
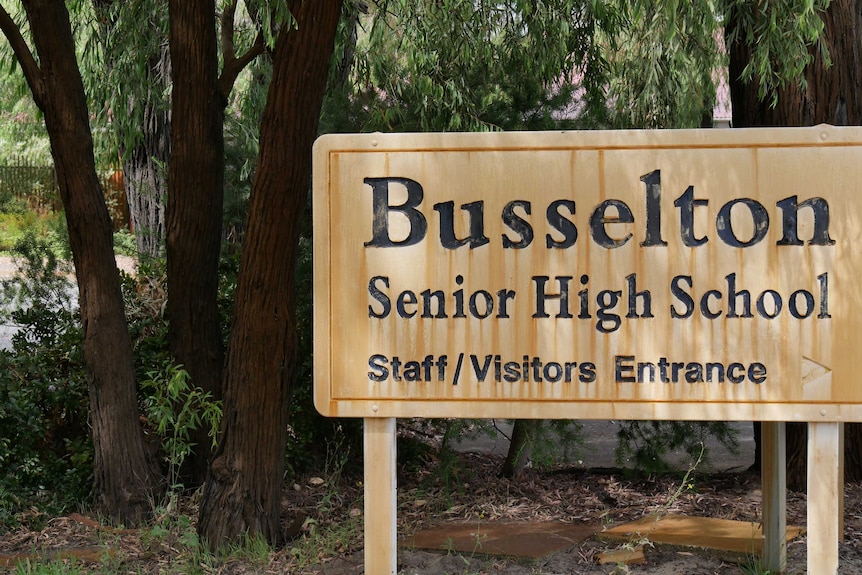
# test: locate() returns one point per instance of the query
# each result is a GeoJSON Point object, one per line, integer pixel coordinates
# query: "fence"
{"type": "Point", "coordinates": [37, 186]}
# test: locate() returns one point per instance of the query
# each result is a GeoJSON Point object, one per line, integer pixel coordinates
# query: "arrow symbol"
{"type": "Point", "coordinates": [816, 380]}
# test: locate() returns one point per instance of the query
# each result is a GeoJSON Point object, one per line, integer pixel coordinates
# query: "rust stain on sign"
{"type": "Point", "coordinates": [645, 274]}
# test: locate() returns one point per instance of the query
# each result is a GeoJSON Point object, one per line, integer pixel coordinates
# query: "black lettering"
{"type": "Point", "coordinates": [440, 298]}
{"type": "Point", "coordinates": [777, 304]}
{"type": "Point", "coordinates": [489, 304]}
{"type": "Point", "coordinates": [504, 296]}
{"type": "Point", "coordinates": [599, 220]}
{"type": "Point", "coordinates": [481, 372]}
{"type": "Point", "coordinates": [705, 310]}
{"type": "Point", "coordinates": [694, 373]}
{"type": "Point", "coordinates": [733, 375]}
{"type": "Point", "coordinates": [643, 368]}
{"type": "Point", "coordinates": [381, 209]}
{"type": "Point", "coordinates": [587, 372]}
{"type": "Point", "coordinates": [511, 371]}
{"type": "Point", "coordinates": [622, 367]}
{"type": "Point", "coordinates": [563, 296]}
{"type": "Point", "coordinates": [757, 372]}
{"type": "Point", "coordinates": [447, 225]}
{"type": "Point", "coordinates": [377, 363]}
{"type": "Point", "coordinates": [789, 227]}
{"type": "Point", "coordinates": [518, 225]}
{"type": "Point", "coordinates": [686, 204]}
{"type": "Point", "coordinates": [562, 224]}
{"type": "Point", "coordinates": [715, 367]}
{"type": "Point", "coordinates": [652, 237]}
{"type": "Point", "coordinates": [733, 295]}
{"type": "Point", "coordinates": [823, 279]}
{"type": "Point", "coordinates": [724, 224]}
{"type": "Point", "coordinates": [684, 298]}
{"type": "Point", "coordinates": [633, 296]}
{"type": "Point", "coordinates": [380, 297]}
{"type": "Point", "coordinates": [793, 304]}
{"type": "Point", "coordinates": [607, 300]}
{"type": "Point", "coordinates": [406, 298]}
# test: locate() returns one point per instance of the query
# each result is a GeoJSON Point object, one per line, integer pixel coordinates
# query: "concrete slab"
{"type": "Point", "coordinates": [510, 539]}
{"type": "Point", "coordinates": [701, 532]}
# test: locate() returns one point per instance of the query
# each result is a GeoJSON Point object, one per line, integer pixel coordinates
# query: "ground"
{"type": "Point", "coordinates": [324, 514]}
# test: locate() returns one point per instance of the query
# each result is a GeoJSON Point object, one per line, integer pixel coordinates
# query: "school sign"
{"type": "Point", "coordinates": [703, 274]}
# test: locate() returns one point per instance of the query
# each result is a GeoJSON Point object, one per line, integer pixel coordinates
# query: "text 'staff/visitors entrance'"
{"type": "Point", "coordinates": [701, 274]}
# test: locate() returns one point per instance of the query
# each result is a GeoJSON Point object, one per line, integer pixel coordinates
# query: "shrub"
{"type": "Point", "coordinates": [45, 447]}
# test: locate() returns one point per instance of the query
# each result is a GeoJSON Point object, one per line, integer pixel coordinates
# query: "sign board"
{"type": "Point", "coordinates": [699, 274]}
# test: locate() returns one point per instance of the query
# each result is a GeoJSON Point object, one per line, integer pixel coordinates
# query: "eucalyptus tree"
{"type": "Point", "coordinates": [242, 494]}
{"type": "Point", "coordinates": [127, 72]}
{"type": "Point", "coordinates": [126, 478]}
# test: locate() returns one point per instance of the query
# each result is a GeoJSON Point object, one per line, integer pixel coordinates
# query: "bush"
{"type": "Point", "coordinates": [647, 443]}
{"type": "Point", "coordinates": [45, 446]}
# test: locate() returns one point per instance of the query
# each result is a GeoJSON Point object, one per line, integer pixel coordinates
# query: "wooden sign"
{"type": "Point", "coordinates": [704, 274]}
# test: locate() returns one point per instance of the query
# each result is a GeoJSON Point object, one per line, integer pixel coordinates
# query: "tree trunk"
{"type": "Point", "coordinates": [520, 448]}
{"type": "Point", "coordinates": [242, 494]}
{"type": "Point", "coordinates": [125, 478]}
{"type": "Point", "coordinates": [833, 95]}
{"type": "Point", "coordinates": [145, 165]}
{"type": "Point", "coordinates": [194, 217]}
{"type": "Point", "coordinates": [145, 161]}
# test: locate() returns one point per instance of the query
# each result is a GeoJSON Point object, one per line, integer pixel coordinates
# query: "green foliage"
{"type": "Point", "coordinates": [174, 408]}
{"type": "Point", "coordinates": [779, 34]}
{"type": "Point", "coordinates": [45, 447]}
{"type": "Point", "coordinates": [23, 137]}
{"type": "Point", "coordinates": [648, 443]}
{"type": "Point", "coordinates": [49, 568]}
{"type": "Point", "coordinates": [555, 441]}
{"type": "Point", "coordinates": [464, 65]}
{"type": "Point", "coordinates": [15, 225]}
{"type": "Point", "coordinates": [124, 243]}
{"type": "Point", "coordinates": [663, 62]}
{"type": "Point", "coordinates": [124, 64]}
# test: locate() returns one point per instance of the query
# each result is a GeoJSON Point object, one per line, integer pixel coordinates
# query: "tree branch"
{"type": "Point", "coordinates": [233, 65]}
{"type": "Point", "coordinates": [28, 63]}
{"type": "Point", "coordinates": [227, 30]}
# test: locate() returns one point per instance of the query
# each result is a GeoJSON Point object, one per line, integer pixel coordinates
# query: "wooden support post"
{"type": "Point", "coordinates": [841, 482]}
{"type": "Point", "coordinates": [380, 496]}
{"type": "Point", "coordinates": [824, 492]}
{"type": "Point", "coordinates": [774, 489]}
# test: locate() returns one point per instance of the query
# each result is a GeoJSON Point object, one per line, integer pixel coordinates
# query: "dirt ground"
{"type": "Point", "coordinates": [328, 534]}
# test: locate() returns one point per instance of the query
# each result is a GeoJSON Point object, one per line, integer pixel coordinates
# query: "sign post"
{"type": "Point", "coordinates": [690, 275]}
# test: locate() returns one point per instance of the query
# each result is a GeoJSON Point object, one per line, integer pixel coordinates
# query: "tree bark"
{"type": "Point", "coordinates": [194, 208]}
{"type": "Point", "coordinates": [520, 448]}
{"type": "Point", "coordinates": [145, 164]}
{"type": "Point", "coordinates": [126, 479]}
{"type": "Point", "coordinates": [833, 95]}
{"type": "Point", "coordinates": [243, 489]}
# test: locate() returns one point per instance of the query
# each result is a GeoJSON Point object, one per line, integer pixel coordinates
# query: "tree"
{"type": "Point", "coordinates": [127, 73]}
{"type": "Point", "coordinates": [125, 477]}
{"type": "Point", "coordinates": [830, 92]}
{"type": "Point", "coordinates": [194, 210]}
{"type": "Point", "coordinates": [242, 494]}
